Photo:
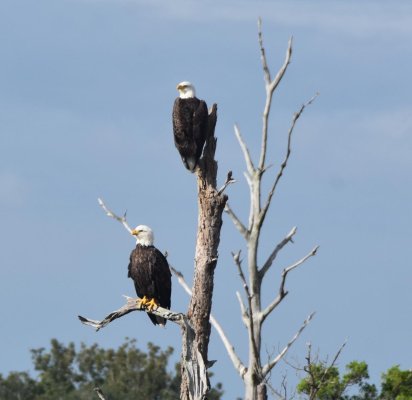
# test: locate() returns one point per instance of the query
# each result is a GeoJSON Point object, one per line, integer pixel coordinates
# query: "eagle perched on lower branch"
{"type": "Point", "coordinates": [150, 272]}
{"type": "Point", "coordinates": [190, 124]}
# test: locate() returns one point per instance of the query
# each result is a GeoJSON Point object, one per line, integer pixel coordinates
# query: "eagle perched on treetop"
{"type": "Point", "coordinates": [190, 124]}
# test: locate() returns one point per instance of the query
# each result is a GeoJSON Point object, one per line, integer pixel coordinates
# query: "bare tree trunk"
{"type": "Point", "coordinates": [211, 203]}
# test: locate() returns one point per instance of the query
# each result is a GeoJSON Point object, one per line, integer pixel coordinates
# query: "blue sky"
{"type": "Point", "coordinates": [86, 90]}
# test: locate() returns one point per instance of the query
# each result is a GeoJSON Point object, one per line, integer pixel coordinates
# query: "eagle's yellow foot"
{"type": "Point", "coordinates": [151, 305]}
{"type": "Point", "coordinates": [142, 302]}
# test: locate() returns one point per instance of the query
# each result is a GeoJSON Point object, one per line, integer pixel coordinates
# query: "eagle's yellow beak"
{"type": "Point", "coordinates": [135, 232]}
{"type": "Point", "coordinates": [178, 87]}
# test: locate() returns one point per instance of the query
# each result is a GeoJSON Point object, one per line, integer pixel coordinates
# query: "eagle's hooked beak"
{"type": "Point", "coordinates": [135, 232]}
{"type": "Point", "coordinates": [180, 87]}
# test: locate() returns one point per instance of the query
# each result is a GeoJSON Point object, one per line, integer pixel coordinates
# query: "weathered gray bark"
{"type": "Point", "coordinates": [211, 204]}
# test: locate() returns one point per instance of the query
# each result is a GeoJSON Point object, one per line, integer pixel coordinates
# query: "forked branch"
{"type": "Point", "coordinates": [132, 304]}
{"type": "Point", "coordinates": [270, 86]}
{"type": "Point", "coordinates": [236, 221]}
{"type": "Point", "coordinates": [282, 293]}
{"type": "Point", "coordinates": [296, 116]}
{"type": "Point", "coordinates": [268, 367]}
{"type": "Point", "coordinates": [111, 214]}
{"type": "Point", "coordinates": [273, 255]}
{"type": "Point", "coordinates": [194, 364]}
{"type": "Point", "coordinates": [317, 383]}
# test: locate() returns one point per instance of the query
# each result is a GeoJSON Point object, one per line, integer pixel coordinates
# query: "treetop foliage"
{"type": "Point", "coordinates": [324, 382]}
{"type": "Point", "coordinates": [65, 373]}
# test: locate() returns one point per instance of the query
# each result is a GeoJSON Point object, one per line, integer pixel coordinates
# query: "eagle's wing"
{"type": "Point", "coordinates": [200, 126]}
{"type": "Point", "coordinates": [162, 279]}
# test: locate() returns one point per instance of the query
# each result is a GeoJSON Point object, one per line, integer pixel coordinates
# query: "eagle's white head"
{"type": "Point", "coordinates": [186, 90]}
{"type": "Point", "coordinates": [144, 235]}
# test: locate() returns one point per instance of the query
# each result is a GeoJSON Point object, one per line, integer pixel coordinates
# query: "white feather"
{"type": "Point", "coordinates": [186, 90]}
{"type": "Point", "coordinates": [144, 235]}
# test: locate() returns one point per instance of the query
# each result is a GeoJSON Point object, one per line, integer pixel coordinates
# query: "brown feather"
{"type": "Point", "coordinates": [190, 122]}
{"type": "Point", "coordinates": [150, 272]}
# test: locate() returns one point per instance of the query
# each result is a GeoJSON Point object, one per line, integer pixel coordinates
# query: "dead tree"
{"type": "Point", "coordinates": [255, 372]}
{"type": "Point", "coordinates": [211, 203]}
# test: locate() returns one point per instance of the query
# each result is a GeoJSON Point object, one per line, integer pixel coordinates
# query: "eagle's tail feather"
{"type": "Point", "coordinates": [156, 320]}
{"type": "Point", "coordinates": [190, 163]}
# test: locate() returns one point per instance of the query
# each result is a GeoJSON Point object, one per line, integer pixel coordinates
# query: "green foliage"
{"type": "Point", "coordinates": [396, 384]}
{"type": "Point", "coordinates": [325, 383]}
{"type": "Point", "coordinates": [18, 386]}
{"type": "Point", "coordinates": [123, 374]}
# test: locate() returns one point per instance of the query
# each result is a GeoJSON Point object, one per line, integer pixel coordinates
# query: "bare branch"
{"type": "Point", "coordinates": [282, 293]}
{"type": "Point", "coordinates": [267, 368]}
{"type": "Point", "coordinates": [315, 384]}
{"type": "Point", "coordinates": [338, 352]}
{"type": "Point", "coordinates": [181, 280]}
{"type": "Point", "coordinates": [236, 221]}
{"type": "Point", "coordinates": [263, 54]}
{"type": "Point", "coordinates": [238, 262]}
{"type": "Point", "coordinates": [285, 161]}
{"type": "Point", "coordinates": [111, 214]}
{"type": "Point", "coordinates": [99, 393]}
{"type": "Point", "coordinates": [251, 322]}
{"type": "Point", "coordinates": [251, 183]}
{"type": "Point", "coordinates": [245, 315]}
{"type": "Point", "coordinates": [270, 88]}
{"type": "Point", "coordinates": [237, 363]}
{"type": "Point", "coordinates": [245, 150]}
{"type": "Point", "coordinates": [132, 304]}
{"type": "Point", "coordinates": [325, 373]}
{"type": "Point", "coordinates": [276, 392]}
{"type": "Point", "coordinates": [194, 364]}
{"type": "Point", "coordinates": [297, 263]}
{"type": "Point", "coordinates": [229, 180]}
{"type": "Point", "coordinates": [281, 72]}
{"type": "Point", "coordinates": [271, 258]}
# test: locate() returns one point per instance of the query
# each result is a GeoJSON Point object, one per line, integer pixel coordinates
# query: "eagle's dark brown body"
{"type": "Point", "coordinates": [190, 124]}
{"type": "Point", "coordinates": [150, 272]}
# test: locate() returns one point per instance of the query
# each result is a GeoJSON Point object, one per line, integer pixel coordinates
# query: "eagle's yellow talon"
{"type": "Point", "coordinates": [151, 305]}
{"type": "Point", "coordinates": [142, 302]}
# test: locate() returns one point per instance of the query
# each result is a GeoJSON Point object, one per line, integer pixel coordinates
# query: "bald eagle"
{"type": "Point", "coordinates": [150, 272]}
{"type": "Point", "coordinates": [190, 123]}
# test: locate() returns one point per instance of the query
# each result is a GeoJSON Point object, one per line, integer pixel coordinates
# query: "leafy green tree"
{"type": "Point", "coordinates": [123, 374]}
{"type": "Point", "coordinates": [325, 383]}
{"type": "Point", "coordinates": [18, 386]}
{"type": "Point", "coordinates": [56, 370]}
{"type": "Point", "coordinates": [396, 384]}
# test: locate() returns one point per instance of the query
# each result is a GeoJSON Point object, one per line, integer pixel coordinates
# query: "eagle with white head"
{"type": "Point", "coordinates": [190, 125]}
{"type": "Point", "coordinates": [150, 272]}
